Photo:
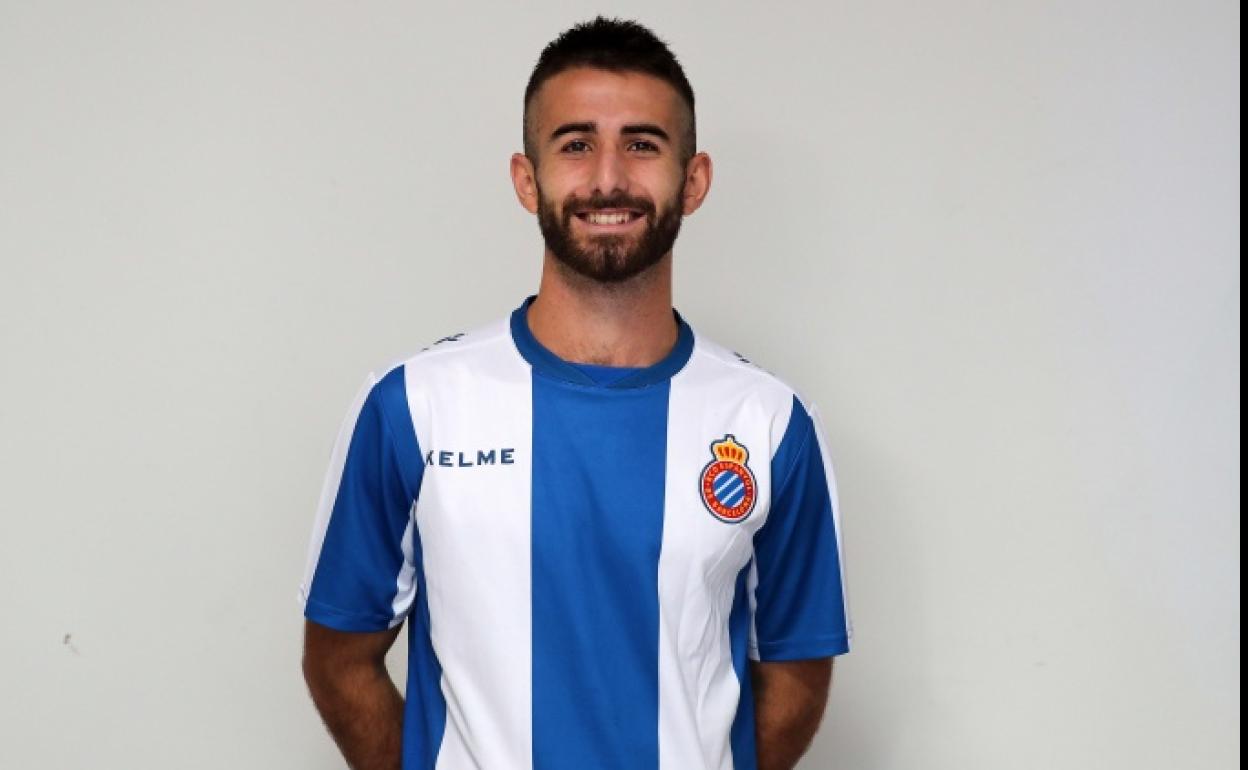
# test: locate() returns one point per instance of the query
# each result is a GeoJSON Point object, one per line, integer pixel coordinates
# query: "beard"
{"type": "Point", "coordinates": [609, 258]}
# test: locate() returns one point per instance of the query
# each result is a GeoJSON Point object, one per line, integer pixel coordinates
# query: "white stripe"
{"type": "Point", "coordinates": [405, 585]}
{"type": "Point", "coordinates": [751, 588]}
{"type": "Point", "coordinates": [778, 430]}
{"type": "Point", "coordinates": [329, 489]}
{"type": "Point", "coordinates": [701, 557]}
{"type": "Point", "coordinates": [470, 521]}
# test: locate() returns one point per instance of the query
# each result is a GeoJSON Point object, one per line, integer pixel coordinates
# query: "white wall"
{"type": "Point", "coordinates": [997, 242]}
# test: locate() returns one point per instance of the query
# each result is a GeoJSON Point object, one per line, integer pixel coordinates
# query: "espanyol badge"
{"type": "Point", "coordinates": [727, 485]}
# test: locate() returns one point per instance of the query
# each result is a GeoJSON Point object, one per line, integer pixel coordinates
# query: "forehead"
{"type": "Point", "coordinates": [584, 94]}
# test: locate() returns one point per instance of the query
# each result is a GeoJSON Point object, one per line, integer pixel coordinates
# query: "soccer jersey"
{"type": "Point", "coordinates": [586, 560]}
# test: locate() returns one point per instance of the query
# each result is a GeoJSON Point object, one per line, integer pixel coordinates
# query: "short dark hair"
{"type": "Point", "coordinates": [614, 45]}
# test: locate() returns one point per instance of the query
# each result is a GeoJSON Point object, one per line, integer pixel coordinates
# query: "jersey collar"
{"type": "Point", "coordinates": [543, 360]}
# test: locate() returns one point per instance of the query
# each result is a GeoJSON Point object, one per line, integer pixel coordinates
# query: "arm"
{"type": "Point", "coordinates": [789, 698]}
{"type": "Point", "coordinates": [359, 582]}
{"type": "Point", "coordinates": [347, 677]}
{"type": "Point", "coordinates": [801, 618]}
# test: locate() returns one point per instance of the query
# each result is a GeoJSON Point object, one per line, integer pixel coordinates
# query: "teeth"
{"type": "Point", "coordinates": [607, 219]}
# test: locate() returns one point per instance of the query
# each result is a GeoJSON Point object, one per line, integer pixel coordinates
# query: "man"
{"type": "Point", "coordinates": [614, 542]}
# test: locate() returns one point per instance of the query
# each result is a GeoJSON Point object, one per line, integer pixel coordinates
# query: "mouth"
{"type": "Point", "coordinates": [608, 220]}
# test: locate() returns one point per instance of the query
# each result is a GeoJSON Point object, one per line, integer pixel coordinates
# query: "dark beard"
{"type": "Point", "coordinates": [608, 258]}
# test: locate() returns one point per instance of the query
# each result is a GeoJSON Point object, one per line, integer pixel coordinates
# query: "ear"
{"type": "Point", "coordinates": [524, 179]}
{"type": "Point", "coordinates": [697, 182]}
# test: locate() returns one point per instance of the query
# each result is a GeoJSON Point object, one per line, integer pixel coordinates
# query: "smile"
{"type": "Point", "coordinates": [609, 218]}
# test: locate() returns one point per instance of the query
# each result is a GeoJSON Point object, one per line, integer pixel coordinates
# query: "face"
{"type": "Point", "coordinates": [609, 188]}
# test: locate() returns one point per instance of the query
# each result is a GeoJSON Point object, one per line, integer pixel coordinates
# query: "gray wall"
{"type": "Point", "coordinates": [996, 242]}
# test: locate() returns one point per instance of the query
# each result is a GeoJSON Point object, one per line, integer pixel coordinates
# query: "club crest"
{"type": "Point", "coordinates": [727, 484]}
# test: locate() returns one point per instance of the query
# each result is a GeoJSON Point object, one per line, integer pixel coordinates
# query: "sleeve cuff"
{"type": "Point", "coordinates": [341, 620]}
{"type": "Point", "coordinates": [804, 649]}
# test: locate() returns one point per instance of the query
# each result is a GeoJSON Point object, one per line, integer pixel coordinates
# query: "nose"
{"type": "Point", "coordinates": [608, 172]}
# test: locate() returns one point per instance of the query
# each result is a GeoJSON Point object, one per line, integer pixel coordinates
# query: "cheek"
{"type": "Point", "coordinates": [566, 176]}
{"type": "Point", "coordinates": [663, 182]}
{"type": "Point", "coordinates": [561, 192]}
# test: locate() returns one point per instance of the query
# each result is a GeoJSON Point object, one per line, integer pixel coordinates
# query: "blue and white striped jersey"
{"type": "Point", "coordinates": [585, 564]}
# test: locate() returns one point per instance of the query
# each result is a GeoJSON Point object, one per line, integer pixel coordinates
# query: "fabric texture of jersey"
{"type": "Point", "coordinates": [586, 560]}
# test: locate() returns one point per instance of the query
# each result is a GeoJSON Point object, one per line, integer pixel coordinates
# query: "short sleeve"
{"type": "Point", "coordinates": [800, 607]}
{"type": "Point", "coordinates": [360, 573]}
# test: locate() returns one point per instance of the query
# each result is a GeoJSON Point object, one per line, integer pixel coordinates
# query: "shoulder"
{"type": "Point", "coordinates": [716, 365]}
{"type": "Point", "coordinates": [458, 349]}
{"type": "Point", "coordinates": [796, 437]}
{"type": "Point", "coordinates": [452, 355]}
{"type": "Point", "coordinates": [740, 386]}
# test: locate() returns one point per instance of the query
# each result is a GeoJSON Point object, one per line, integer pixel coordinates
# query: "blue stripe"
{"type": "Point", "coordinates": [599, 461]}
{"type": "Point", "coordinates": [353, 587]}
{"type": "Point", "coordinates": [800, 609]}
{"type": "Point", "coordinates": [744, 754]}
{"type": "Point", "coordinates": [735, 497]}
{"type": "Point", "coordinates": [424, 721]}
{"type": "Point", "coordinates": [724, 480]}
{"type": "Point", "coordinates": [786, 454]}
{"type": "Point", "coordinates": [355, 581]}
{"type": "Point", "coordinates": [424, 713]}
{"type": "Point", "coordinates": [605, 375]}
{"type": "Point", "coordinates": [391, 391]}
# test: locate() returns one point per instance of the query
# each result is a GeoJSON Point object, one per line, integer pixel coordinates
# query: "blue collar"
{"type": "Point", "coordinates": [546, 362]}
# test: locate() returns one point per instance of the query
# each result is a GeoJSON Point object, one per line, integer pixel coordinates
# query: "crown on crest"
{"type": "Point", "coordinates": [729, 450]}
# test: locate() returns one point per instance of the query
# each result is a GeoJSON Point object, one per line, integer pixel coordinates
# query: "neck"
{"type": "Point", "coordinates": [625, 324]}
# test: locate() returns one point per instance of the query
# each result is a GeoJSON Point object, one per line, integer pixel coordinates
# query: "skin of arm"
{"type": "Point", "coordinates": [789, 700]}
{"type": "Point", "coordinates": [361, 707]}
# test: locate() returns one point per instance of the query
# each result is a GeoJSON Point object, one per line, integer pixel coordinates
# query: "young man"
{"type": "Point", "coordinates": [615, 542]}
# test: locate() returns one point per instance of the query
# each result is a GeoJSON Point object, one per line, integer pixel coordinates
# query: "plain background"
{"type": "Point", "coordinates": [996, 243]}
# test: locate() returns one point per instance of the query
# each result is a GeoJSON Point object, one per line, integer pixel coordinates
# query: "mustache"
{"type": "Point", "coordinates": [571, 204]}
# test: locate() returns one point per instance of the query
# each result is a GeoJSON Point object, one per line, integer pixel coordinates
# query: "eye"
{"type": "Point", "coordinates": [644, 145]}
{"type": "Point", "coordinates": [576, 145]}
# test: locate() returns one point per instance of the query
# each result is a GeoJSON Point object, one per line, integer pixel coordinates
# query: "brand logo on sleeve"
{"type": "Point", "coordinates": [727, 484]}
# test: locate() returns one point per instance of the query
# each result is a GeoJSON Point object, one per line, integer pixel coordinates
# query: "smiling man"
{"type": "Point", "coordinates": [615, 543]}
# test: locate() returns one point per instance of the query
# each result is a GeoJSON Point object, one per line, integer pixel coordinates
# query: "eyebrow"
{"type": "Point", "coordinates": [573, 128]}
{"type": "Point", "coordinates": [591, 127]}
{"type": "Point", "coordinates": [645, 128]}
